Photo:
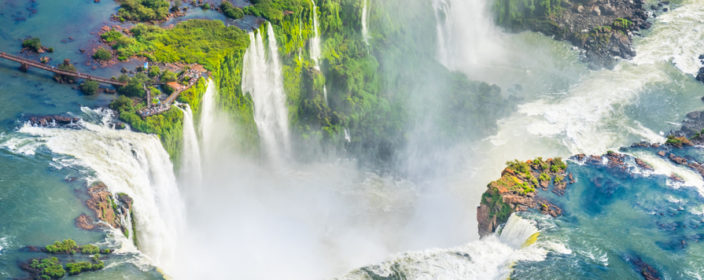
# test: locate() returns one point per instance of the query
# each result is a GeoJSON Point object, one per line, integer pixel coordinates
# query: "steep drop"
{"type": "Point", "coordinates": [191, 167]}
{"type": "Point", "coordinates": [128, 162]}
{"type": "Point", "coordinates": [262, 79]}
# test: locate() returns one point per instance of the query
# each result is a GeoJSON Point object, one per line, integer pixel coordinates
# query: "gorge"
{"type": "Point", "coordinates": [362, 139]}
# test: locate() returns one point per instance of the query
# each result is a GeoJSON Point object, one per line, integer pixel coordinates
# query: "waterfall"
{"type": "Point", "coordinates": [128, 162]}
{"type": "Point", "coordinates": [207, 120]}
{"type": "Point", "coordinates": [517, 231]}
{"type": "Point", "coordinates": [315, 41]}
{"type": "Point", "coordinates": [365, 16]}
{"type": "Point", "coordinates": [465, 34]}
{"type": "Point", "coordinates": [262, 79]}
{"type": "Point", "coordinates": [191, 167]}
{"type": "Point", "coordinates": [315, 49]}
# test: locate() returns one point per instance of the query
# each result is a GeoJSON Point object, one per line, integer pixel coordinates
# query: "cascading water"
{"type": "Point", "coordinates": [315, 49]}
{"type": "Point", "coordinates": [315, 52]}
{"type": "Point", "coordinates": [191, 167]}
{"type": "Point", "coordinates": [207, 120]}
{"type": "Point", "coordinates": [465, 34]}
{"type": "Point", "coordinates": [489, 258]}
{"type": "Point", "coordinates": [128, 162]}
{"type": "Point", "coordinates": [262, 79]}
{"type": "Point", "coordinates": [365, 16]}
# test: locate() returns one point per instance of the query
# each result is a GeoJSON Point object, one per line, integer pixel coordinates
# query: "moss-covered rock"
{"type": "Point", "coordinates": [516, 191]}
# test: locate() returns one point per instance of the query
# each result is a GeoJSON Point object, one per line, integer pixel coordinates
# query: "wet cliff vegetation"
{"type": "Point", "coordinates": [376, 91]}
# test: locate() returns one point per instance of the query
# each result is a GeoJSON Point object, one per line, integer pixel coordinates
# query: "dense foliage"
{"type": "Point", "coordinates": [231, 11]}
{"type": "Point", "coordinates": [89, 87]}
{"type": "Point", "coordinates": [143, 10]}
{"type": "Point", "coordinates": [168, 125]}
{"type": "Point", "coordinates": [102, 54]}
{"type": "Point", "coordinates": [32, 43]}
{"type": "Point", "coordinates": [47, 268]}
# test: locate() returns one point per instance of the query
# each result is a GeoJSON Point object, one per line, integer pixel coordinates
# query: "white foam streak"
{"type": "Point", "coordinates": [133, 163]}
{"type": "Point", "coordinates": [489, 258]}
{"type": "Point", "coordinates": [666, 168]}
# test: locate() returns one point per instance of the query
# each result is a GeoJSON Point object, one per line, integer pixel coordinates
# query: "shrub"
{"type": "Point", "coordinates": [89, 87]}
{"type": "Point", "coordinates": [121, 103]}
{"type": "Point", "coordinates": [90, 249]}
{"type": "Point", "coordinates": [231, 11]}
{"type": "Point", "coordinates": [102, 54]}
{"type": "Point", "coordinates": [32, 43]}
{"type": "Point", "coordinates": [154, 71]}
{"type": "Point", "coordinates": [48, 268]}
{"type": "Point", "coordinates": [78, 267]}
{"type": "Point", "coordinates": [143, 10]}
{"type": "Point", "coordinates": [168, 76]}
{"type": "Point", "coordinates": [67, 246]}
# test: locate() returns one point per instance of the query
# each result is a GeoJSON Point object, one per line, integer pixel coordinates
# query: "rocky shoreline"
{"type": "Point", "coordinates": [108, 209]}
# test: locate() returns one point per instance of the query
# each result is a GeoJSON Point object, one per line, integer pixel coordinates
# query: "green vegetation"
{"type": "Point", "coordinates": [168, 76]}
{"type": "Point", "coordinates": [205, 6]}
{"type": "Point", "coordinates": [102, 54]}
{"type": "Point", "coordinates": [79, 267]}
{"type": "Point", "coordinates": [678, 141]}
{"type": "Point", "coordinates": [154, 71]}
{"type": "Point", "coordinates": [168, 126]}
{"type": "Point", "coordinates": [32, 43]}
{"type": "Point", "coordinates": [498, 208]}
{"type": "Point", "coordinates": [135, 85]}
{"type": "Point", "coordinates": [274, 10]}
{"type": "Point", "coordinates": [90, 249]}
{"type": "Point", "coordinates": [230, 10]}
{"type": "Point", "coordinates": [47, 268]}
{"type": "Point", "coordinates": [143, 10]}
{"type": "Point", "coordinates": [205, 42]}
{"type": "Point", "coordinates": [622, 24]}
{"type": "Point", "coordinates": [89, 87]}
{"type": "Point", "coordinates": [67, 246]}
{"type": "Point", "coordinates": [544, 177]}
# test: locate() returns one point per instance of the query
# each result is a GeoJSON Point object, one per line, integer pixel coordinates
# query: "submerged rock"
{"type": "Point", "coordinates": [53, 120]}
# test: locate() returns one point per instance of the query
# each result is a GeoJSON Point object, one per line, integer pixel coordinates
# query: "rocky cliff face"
{"type": "Point", "coordinates": [519, 189]}
{"type": "Point", "coordinates": [603, 29]}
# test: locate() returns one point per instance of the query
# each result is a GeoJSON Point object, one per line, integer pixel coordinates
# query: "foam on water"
{"type": "Point", "coordinates": [129, 162]}
{"type": "Point", "coordinates": [667, 168]}
{"type": "Point", "coordinates": [589, 117]}
{"type": "Point", "coordinates": [489, 258]}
